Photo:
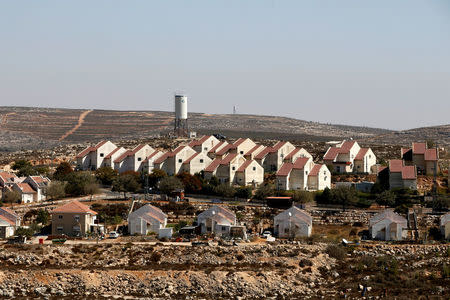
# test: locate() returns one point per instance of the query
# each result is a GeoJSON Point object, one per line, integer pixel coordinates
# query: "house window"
{"type": "Point", "coordinates": [286, 230]}
{"type": "Point", "coordinates": [102, 154]}
{"type": "Point", "coordinates": [60, 228]}
{"type": "Point", "coordinates": [77, 218]}
{"type": "Point", "coordinates": [281, 155]}
{"type": "Point", "coordinates": [233, 168]}
{"type": "Point", "coordinates": [206, 148]}
{"type": "Point", "coordinates": [224, 228]}
{"type": "Point", "coordinates": [306, 172]}
{"type": "Point", "coordinates": [60, 217]}
{"type": "Point", "coordinates": [201, 160]}
{"type": "Point", "coordinates": [139, 158]}
{"type": "Point", "coordinates": [242, 152]}
{"type": "Point", "coordinates": [180, 160]}
{"type": "Point", "coordinates": [370, 156]}
{"type": "Point", "coordinates": [254, 168]}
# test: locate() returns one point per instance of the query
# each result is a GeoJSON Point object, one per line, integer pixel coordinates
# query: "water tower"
{"type": "Point", "coordinates": [181, 115]}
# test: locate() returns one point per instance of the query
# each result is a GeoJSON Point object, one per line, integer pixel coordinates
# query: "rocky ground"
{"type": "Point", "coordinates": [291, 270]}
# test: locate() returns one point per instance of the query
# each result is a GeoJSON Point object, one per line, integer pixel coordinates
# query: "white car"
{"type": "Point", "coordinates": [266, 234]}
{"type": "Point", "coordinates": [113, 235]}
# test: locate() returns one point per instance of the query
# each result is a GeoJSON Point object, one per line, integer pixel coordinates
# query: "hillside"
{"type": "Point", "coordinates": [26, 127]}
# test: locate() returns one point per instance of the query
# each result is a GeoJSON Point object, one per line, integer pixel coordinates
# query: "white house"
{"type": "Point", "coordinates": [196, 163]}
{"type": "Point", "coordinates": [292, 223]}
{"type": "Point", "coordinates": [217, 219]}
{"type": "Point", "coordinates": [9, 221]}
{"type": "Point", "coordinates": [149, 163]}
{"type": "Point", "coordinates": [387, 226]}
{"type": "Point", "coordinates": [112, 156]}
{"type": "Point", "coordinates": [218, 147]}
{"type": "Point", "coordinates": [250, 173]}
{"type": "Point", "coordinates": [7, 179]}
{"type": "Point", "coordinates": [249, 155]}
{"type": "Point", "coordinates": [92, 158]}
{"type": "Point", "coordinates": [445, 226]}
{"type": "Point", "coordinates": [240, 146]}
{"type": "Point", "coordinates": [294, 176]}
{"type": "Point", "coordinates": [319, 178]}
{"type": "Point", "coordinates": [296, 153]}
{"type": "Point", "coordinates": [228, 167]}
{"type": "Point", "coordinates": [171, 162]}
{"type": "Point", "coordinates": [342, 158]}
{"type": "Point", "coordinates": [146, 219]}
{"type": "Point", "coordinates": [401, 176]}
{"type": "Point", "coordinates": [425, 159]}
{"type": "Point", "coordinates": [132, 160]}
{"type": "Point", "coordinates": [26, 191]}
{"type": "Point", "coordinates": [204, 144]}
{"type": "Point", "coordinates": [276, 155]}
{"type": "Point", "coordinates": [39, 184]}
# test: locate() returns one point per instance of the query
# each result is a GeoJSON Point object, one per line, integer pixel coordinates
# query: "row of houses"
{"type": "Point", "coordinates": [242, 162]}
{"type": "Point", "coordinates": [30, 189]}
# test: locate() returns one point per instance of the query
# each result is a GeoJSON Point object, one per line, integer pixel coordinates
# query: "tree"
{"type": "Point", "coordinates": [264, 191]}
{"type": "Point", "coordinates": [155, 176]}
{"type": "Point", "coordinates": [62, 170]}
{"type": "Point", "coordinates": [192, 184]}
{"type": "Point", "coordinates": [12, 197]}
{"type": "Point", "coordinates": [21, 163]}
{"type": "Point", "coordinates": [244, 192]}
{"type": "Point", "coordinates": [214, 181]}
{"type": "Point", "coordinates": [24, 232]}
{"type": "Point", "coordinates": [168, 184]}
{"type": "Point", "coordinates": [324, 197]}
{"type": "Point", "coordinates": [78, 181]}
{"type": "Point", "coordinates": [431, 144]}
{"type": "Point", "coordinates": [125, 183]}
{"type": "Point", "coordinates": [91, 189]}
{"type": "Point", "coordinates": [225, 190]}
{"type": "Point", "coordinates": [55, 190]}
{"type": "Point", "coordinates": [344, 195]}
{"type": "Point", "coordinates": [386, 198]}
{"type": "Point", "coordinates": [302, 196]}
{"type": "Point", "coordinates": [106, 175]}
{"type": "Point", "coordinates": [42, 216]}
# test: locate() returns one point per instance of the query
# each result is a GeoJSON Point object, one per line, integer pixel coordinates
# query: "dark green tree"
{"type": "Point", "coordinates": [62, 171]}
{"type": "Point", "coordinates": [125, 183]}
{"type": "Point", "coordinates": [169, 184]}
{"type": "Point", "coordinates": [106, 175]}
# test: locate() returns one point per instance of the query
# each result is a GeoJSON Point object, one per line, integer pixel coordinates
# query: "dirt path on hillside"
{"type": "Point", "coordinates": [80, 122]}
{"type": "Point", "coordinates": [5, 118]}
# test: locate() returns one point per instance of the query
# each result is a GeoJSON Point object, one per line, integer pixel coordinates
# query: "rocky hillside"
{"type": "Point", "coordinates": [26, 127]}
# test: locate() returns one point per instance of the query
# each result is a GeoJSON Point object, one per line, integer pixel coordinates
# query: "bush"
{"type": "Point", "coordinates": [305, 263]}
{"type": "Point", "coordinates": [240, 256]}
{"type": "Point", "coordinates": [225, 190]}
{"type": "Point", "coordinates": [106, 175]}
{"type": "Point", "coordinates": [264, 191]}
{"type": "Point", "coordinates": [244, 192]}
{"type": "Point", "coordinates": [336, 252]}
{"type": "Point", "coordinates": [169, 184]}
{"type": "Point", "coordinates": [303, 196]}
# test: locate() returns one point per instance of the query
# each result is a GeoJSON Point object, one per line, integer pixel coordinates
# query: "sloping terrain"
{"type": "Point", "coordinates": [27, 127]}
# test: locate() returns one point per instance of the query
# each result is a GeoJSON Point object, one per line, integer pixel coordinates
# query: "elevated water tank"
{"type": "Point", "coordinates": [181, 107]}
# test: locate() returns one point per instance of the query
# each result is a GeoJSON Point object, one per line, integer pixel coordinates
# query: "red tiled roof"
{"type": "Point", "coordinates": [252, 150]}
{"type": "Point", "coordinates": [238, 142]}
{"type": "Point", "coordinates": [123, 156]}
{"type": "Point", "coordinates": [419, 148]}
{"type": "Point", "coordinates": [346, 146]}
{"type": "Point", "coordinates": [26, 188]}
{"type": "Point", "coordinates": [7, 220]}
{"type": "Point", "coordinates": [213, 149]}
{"type": "Point", "coordinates": [40, 179]}
{"type": "Point", "coordinates": [278, 145]}
{"type": "Point", "coordinates": [225, 149]}
{"type": "Point", "coordinates": [331, 153]}
{"type": "Point", "coordinates": [409, 172]}
{"type": "Point", "coordinates": [151, 155]}
{"type": "Point", "coordinates": [199, 142]}
{"type": "Point", "coordinates": [9, 211]}
{"type": "Point", "coordinates": [285, 169]}
{"type": "Point", "coordinates": [431, 154]}
{"type": "Point", "coordinates": [112, 153]}
{"type": "Point", "coordinates": [228, 158]}
{"type": "Point", "coordinates": [100, 144]}
{"type": "Point", "coordinates": [85, 152]}
{"type": "Point", "coordinates": [190, 158]}
{"type": "Point", "coordinates": [292, 153]}
{"type": "Point", "coordinates": [315, 170]}
{"type": "Point", "coordinates": [162, 158]}
{"type": "Point", "coordinates": [405, 150]}
{"type": "Point", "coordinates": [6, 176]}
{"type": "Point", "coordinates": [362, 152]}
{"type": "Point", "coordinates": [244, 165]}
{"type": "Point", "coordinates": [300, 162]}
{"type": "Point", "coordinates": [395, 165]}
{"type": "Point", "coordinates": [263, 153]}
{"type": "Point", "coordinates": [177, 150]}
{"type": "Point", "coordinates": [213, 165]}
{"type": "Point", "coordinates": [74, 207]}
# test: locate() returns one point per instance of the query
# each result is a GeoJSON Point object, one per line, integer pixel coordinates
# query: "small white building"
{"type": "Point", "coordinates": [146, 219]}
{"type": "Point", "coordinates": [445, 226]}
{"type": "Point", "coordinates": [27, 193]}
{"type": "Point", "coordinates": [132, 160]}
{"type": "Point", "coordinates": [92, 158]}
{"type": "Point", "coordinates": [204, 144]}
{"type": "Point", "coordinates": [319, 178]}
{"type": "Point", "coordinates": [250, 173]}
{"type": "Point", "coordinates": [112, 156]}
{"type": "Point", "coordinates": [275, 157]}
{"type": "Point", "coordinates": [388, 226]}
{"type": "Point", "coordinates": [149, 163]}
{"type": "Point", "coordinates": [292, 223]}
{"type": "Point", "coordinates": [294, 176]}
{"type": "Point", "coordinates": [217, 219]}
{"type": "Point", "coordinates": [7, 179]}
{"type": "Point", "coordinates": [39, 184]}
{"type": "Point", "coordinates": [347, 156]}
{"type": "Point", "coordinates": [401, 176]}
{"type": "Point", "coordinates": [9, 221]}
{"type": "Point", "coordinates": [171, 162]}
{"type": "Point", "coordinates": [296, 153]}
{"type": "Point", "coordinates": [226, 170]}
{"type": "Point", "coordinates": [196, 163]}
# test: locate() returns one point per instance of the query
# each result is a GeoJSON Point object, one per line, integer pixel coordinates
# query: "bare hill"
{"type": "Point", "coordinates": [27, 127]}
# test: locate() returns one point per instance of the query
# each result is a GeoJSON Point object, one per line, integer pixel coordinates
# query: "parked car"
{"type": "Point", "coordinates": [266, 234]}
{"type": "Point", "coordinates": [113, 235]}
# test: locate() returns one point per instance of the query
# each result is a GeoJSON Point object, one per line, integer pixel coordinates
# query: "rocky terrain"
{"type": "Point", "coordinates": [289, 270]}
{"type": "Point", "coordinates": [34, 128]}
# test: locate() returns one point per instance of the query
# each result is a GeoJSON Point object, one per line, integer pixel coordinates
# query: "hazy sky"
{"type": "Point", "coordinates": [373, 63]}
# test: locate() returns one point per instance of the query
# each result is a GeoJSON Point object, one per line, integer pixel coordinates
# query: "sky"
{"type": "Point", "coordinates": [376, 63]}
